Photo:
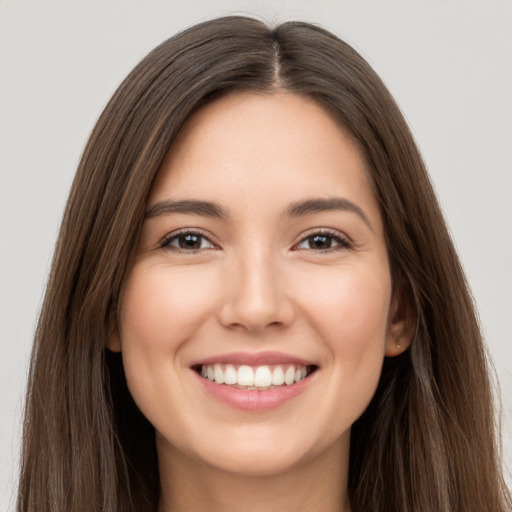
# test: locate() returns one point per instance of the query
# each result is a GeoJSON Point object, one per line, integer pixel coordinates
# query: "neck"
{"type": "Point", "coordinates": [318, 484]}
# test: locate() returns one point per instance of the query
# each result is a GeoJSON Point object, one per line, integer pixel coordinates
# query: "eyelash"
{"type": "Point", "coordinates": [166, 243]}
{"type": "Point", "coordinates": [343, 243]}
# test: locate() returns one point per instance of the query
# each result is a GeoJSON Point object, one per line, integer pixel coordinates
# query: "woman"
{"type": "Point", "coordinates": [254, 302]}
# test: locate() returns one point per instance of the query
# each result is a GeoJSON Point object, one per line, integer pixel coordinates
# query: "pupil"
{"type": "Point", "coordinates": [190, 242]}
{"type": "Point", "coordinates": [320, 242]}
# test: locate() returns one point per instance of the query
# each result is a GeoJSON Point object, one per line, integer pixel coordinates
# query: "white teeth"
{"type": "Point", "coordinates": [263, 377]}
{"type": "Point", "coordinates": [277, 376]}
{"type": "Point", "coordinates": [218, 374]}
{"type": "Point", "coordinates": [230, 375]}
{"type": "Point", "coordinates": [245, 376]}
{"type": "Point", "coordinates": [289, 376]}
{"type": "Point", "coordinates": [260, 377]}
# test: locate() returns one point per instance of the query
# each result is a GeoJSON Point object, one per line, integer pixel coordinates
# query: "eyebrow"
{"type": "Point", "coordinates": [310, 206]}
{"type": "Point", "coordinates": [189, 206]}
{"type": "Point", "coordinates": [298, 209]}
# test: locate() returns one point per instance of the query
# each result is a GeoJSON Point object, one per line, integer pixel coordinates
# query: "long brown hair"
{"type": "Point", "coordinates": [427, 440]}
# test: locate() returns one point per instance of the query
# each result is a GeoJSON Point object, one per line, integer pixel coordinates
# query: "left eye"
{"type": "Point", "coordinates": [322, 242]}
{"type": "Point", "coordinates": [188, 241]}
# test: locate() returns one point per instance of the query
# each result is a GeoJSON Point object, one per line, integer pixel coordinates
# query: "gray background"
{"type": "Point", "coordinates": [448, 64]}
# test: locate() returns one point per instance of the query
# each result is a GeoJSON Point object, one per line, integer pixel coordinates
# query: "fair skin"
{"type": "Point", "coordinates": [280, 261]}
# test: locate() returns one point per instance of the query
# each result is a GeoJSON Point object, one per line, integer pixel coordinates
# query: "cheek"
{"type": "Point", "coordinates": [350, 308]}
{"type": "Point", "coordinates": [158, 304]}
{"type": "Point", "coordinates": [161, 309]}
{"type": "Point", "coordinates": [358, 348]}
{"type": "Point", "coordinates": [349, 313]}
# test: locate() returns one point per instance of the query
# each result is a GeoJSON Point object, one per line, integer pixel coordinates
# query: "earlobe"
{"type": "Point", "coordinates": [400, 323]}
{"type": "Point", "coordinates": [114, 339]}
{"type": "Point", "coordinates": [394, 348]}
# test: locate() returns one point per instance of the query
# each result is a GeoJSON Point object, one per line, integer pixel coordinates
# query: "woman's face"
{"type": "Point", "coordinates": [259, 309]}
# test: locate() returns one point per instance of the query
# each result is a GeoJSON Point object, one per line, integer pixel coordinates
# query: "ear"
{"type": "Point", "coordinates": [400, 322]}
{"type": "Point", "coordinates": [114, 338]}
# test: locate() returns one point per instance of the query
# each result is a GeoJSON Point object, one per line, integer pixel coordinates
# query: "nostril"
{"type": "Point", "coordinates": [255, 307]}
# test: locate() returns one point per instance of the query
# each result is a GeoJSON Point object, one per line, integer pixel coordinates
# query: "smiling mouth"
{"type": "Point", "coordinates": [257, 378]}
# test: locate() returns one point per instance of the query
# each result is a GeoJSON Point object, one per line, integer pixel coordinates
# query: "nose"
{"type": "Point", "coordinates": [256, 297]}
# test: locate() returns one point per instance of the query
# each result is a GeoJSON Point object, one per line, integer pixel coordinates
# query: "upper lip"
{"type": "Point", "coordinates": [253, 359]}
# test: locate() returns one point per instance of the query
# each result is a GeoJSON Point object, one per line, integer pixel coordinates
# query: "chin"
{"type": "Point", "coordinates": [265, 462]}
{"type": "Point", "coordinates": [252, 451]}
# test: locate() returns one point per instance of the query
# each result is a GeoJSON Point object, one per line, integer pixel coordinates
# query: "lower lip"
{"type": "Point", "coordinates": [254, 400]}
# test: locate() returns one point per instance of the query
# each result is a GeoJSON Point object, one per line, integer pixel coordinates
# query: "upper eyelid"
{"type": "Point", "coordinates": [304, 235]}
{"type": "Point", "coordinates": [344, 240]}
{"type": "Point", "coordinates": [324, 231]}
{"type": "Point", "coordinates": [195, 231]}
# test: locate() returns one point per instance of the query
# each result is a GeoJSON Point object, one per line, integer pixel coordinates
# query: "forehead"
{"type": "Point", "coordinates": [280, 147]}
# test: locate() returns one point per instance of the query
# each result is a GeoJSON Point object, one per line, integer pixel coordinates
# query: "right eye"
{"type": "Point", "coordinates": [188, 241]}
